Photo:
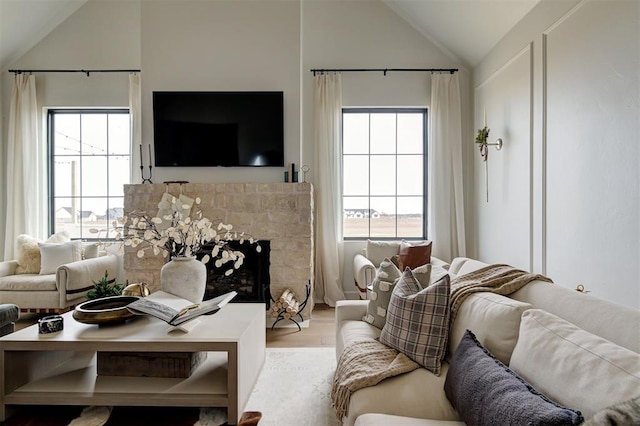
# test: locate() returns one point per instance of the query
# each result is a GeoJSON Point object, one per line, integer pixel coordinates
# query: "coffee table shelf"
{"type": "Point", "coordinates": [61, 369]}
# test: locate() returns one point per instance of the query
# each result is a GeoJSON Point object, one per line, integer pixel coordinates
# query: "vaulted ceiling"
{"type": "Point", "coordinates": [465, 29]}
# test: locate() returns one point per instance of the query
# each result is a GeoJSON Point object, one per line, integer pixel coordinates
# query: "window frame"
{"type": "Point", "coordinates": [425, 165]}
{"type": "Point", "coordinates": [50, 129]}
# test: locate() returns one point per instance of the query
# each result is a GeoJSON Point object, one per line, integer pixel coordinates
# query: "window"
{"type": "Point", "coordinates": [384, 169]}
{"type": "Point", "coordinates": [89, 164]}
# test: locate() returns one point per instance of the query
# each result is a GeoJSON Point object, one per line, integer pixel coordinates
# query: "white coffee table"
{"type": "Point", "coordinates": [60, 368]}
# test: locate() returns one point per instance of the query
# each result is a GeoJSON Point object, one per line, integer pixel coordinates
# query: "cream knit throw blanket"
{"type": "Point", "coordinates": [363, 364]}
{"type": "Point", "coordinates": [499, 279]}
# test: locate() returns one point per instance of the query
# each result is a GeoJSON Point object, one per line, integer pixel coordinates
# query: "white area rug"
{"type": "Point", "coordinates": [293, 390]}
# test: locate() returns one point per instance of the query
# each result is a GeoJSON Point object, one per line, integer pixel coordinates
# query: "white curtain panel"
{"type": "Point", "coordinates": [136, 150]}
{"type": "Point", "coordinates": [26, 167]}
{"type": "Point", "coordinates": [328, 188]}
{"type": "Point", "coordinates": [446, 205]}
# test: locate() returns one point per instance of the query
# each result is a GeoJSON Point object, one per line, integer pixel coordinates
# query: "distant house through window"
{"type": "Point", "coordinates": [89, 164]}
{"type": "Point", "coordinates": [384, 173]}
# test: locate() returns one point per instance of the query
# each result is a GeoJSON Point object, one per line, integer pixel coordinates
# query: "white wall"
{"type": "Point", "coordinates": [223, 46]}
{"type": "Point", "coordinates": [239, 45]}
{"type": "Point", "coordinates": [352, 34]}
{"type": "Point", "coordinates": [99, 35]}
{"type": "Point", "coordinates": [562, 89]}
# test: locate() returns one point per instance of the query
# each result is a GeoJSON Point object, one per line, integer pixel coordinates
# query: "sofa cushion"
{"type": "Point", "coordinates": [415, 394]}
{"type": "Point", "coordinates": [494, 320]}
{"type": "Point", "coordinates": [28, 282]}
{"type": "Point", "coordinates": [378, 250]}
{"type": "Point", "coordinates": [354, 331]}
{"type": "Point", "coordinates": [54, 255]}
{"type": "Point", "coordinates": [573, 366]}
{"type": "Point", "coordinates": [414, 254]}
{"type": "Point", "coordinates": [377, 419]}
{"type": "Point", "coordinates": [485, 392]}
{"type": "Point", "coordinates": [380, 294]}
{"type": "Point", "coordinates": [28, 252]}
{"type": "Point", "coordinates": [418, 321]}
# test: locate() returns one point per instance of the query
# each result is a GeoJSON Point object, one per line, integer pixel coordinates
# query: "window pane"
{"type": "Point", "coordinates": [410, 175]}
{"type": "Point", "coordinates": [383, 133]}
{"type": "Point", "coordinates": [93, 215]}
{"type": "Point", "coordinates": [94, 176]}
{"type": "Point", "coordinates": [66, 176]}
{"type": "Point", "coordinates": [115, 211]}
{"type": "Point", "coordinates": [66, 140]}
{"type": "Point", "coordinates": [119, 134]}
{"type": "Point", "coordinates": [410, 133]}
{"type": "Point", "coordinates": [410, 216]}
{"type": "Point", "coordinates": [94, 134]}
{"type": "Point", "coordinates": [355, 172]}
{"type": "Point", "coordinates": [383, 174]}
{"type": "Point", "coordinates": [383, 222]}
{"type": "Point", "coordinates": [118, 174]}
{"type": "Point", "coordinates": [355, 130]}
{"type": "Point", "coordinates": [65, 216]}
{"type": "Point", "coordinates": [355, 222]}
{"type": "Point", "coordinates": [384, 189]}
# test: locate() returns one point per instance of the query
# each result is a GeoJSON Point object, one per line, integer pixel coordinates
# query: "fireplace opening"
{"type": "Point", "coordinates": [251, 281]}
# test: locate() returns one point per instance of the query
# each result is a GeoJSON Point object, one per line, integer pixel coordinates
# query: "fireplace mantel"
{"type": "Point", "coordinates": [279, 212]}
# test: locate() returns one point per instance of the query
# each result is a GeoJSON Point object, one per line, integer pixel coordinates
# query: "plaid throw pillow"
{"type": "Point", "coordinates": [418, 321]}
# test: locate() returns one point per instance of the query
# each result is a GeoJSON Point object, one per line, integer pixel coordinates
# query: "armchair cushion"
{"type": "Point", "coordinates": [28, 282]}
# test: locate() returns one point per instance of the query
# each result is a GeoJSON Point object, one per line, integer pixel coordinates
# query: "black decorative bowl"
{"type": "Point", "coordinates": [106, 310]}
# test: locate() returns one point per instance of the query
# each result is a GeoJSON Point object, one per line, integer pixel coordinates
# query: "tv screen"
{"type": "Point", "coordinates": [204, 129]}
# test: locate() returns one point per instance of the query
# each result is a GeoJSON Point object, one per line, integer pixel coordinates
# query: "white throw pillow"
{"type": "Point", "coordinates": [89, 250]}
{"type": "Point", "coordinates": [572, 366]}
{"type": "Point", "coordinates": [55, 255]}
{"type": "Point", "coordinates": [378, 250]}
{"type": "Point", "coordinates": [28, 252]}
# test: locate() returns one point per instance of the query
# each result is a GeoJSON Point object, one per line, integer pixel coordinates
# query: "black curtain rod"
{"type": "Point", "coordinates": [384, 70]}
{"type": "Point", "coordinates": [87, 72]}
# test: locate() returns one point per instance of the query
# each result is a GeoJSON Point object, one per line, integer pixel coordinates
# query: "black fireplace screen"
{"type": "Point", "coordinates": [251, 281]}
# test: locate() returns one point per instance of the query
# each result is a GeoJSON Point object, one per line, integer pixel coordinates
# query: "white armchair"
{"type": "Point", "coordinates": [366, 263]}
{"type": "Point", "coordinates": [54, 293]}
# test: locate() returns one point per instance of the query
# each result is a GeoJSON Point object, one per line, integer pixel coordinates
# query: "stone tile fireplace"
{"type": "Point", "coordinates": [281, 213]}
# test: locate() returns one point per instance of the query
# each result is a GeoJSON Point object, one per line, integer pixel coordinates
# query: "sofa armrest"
{"type": "Point", "coordinates": [350, 310]}
{"type": "Point", "coordinates": [363, 273]}
{"type": "Point", "coordinates": [75, 279]}
{"type": "Point", "coordinates": [8, 267]}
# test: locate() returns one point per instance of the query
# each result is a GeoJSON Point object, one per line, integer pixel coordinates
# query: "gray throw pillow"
{"type": "Point", "coordinates": [484, 391]}
{"type": "Point", "coordinates": [380, 294]}
{"type": "Point", "coordinates": [418, 321]}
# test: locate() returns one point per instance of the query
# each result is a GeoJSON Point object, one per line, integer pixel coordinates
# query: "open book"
{"type": "Point", "coordinates": [175, 310]}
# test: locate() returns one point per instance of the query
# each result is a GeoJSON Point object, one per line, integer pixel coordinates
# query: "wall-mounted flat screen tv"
{"type": "Point", "coordinates": [229, 129]}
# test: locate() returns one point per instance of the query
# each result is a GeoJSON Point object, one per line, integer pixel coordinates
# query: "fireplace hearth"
{"type": "Point", "coordinates": [251, 281]}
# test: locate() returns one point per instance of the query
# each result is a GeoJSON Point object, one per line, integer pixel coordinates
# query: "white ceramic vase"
{"type": "Point", "coordinates": [185, 277]}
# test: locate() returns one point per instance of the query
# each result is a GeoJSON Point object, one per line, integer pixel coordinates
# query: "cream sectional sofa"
{"type": "Point", "coordinates": [588, 359]}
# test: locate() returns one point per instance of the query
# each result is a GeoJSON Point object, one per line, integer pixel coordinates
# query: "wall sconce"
{"type": "Point", "coordinates": [481, 139]}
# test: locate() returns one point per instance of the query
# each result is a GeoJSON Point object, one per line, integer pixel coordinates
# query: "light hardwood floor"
{"type": "Point", "coordinates": [321, 330]}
